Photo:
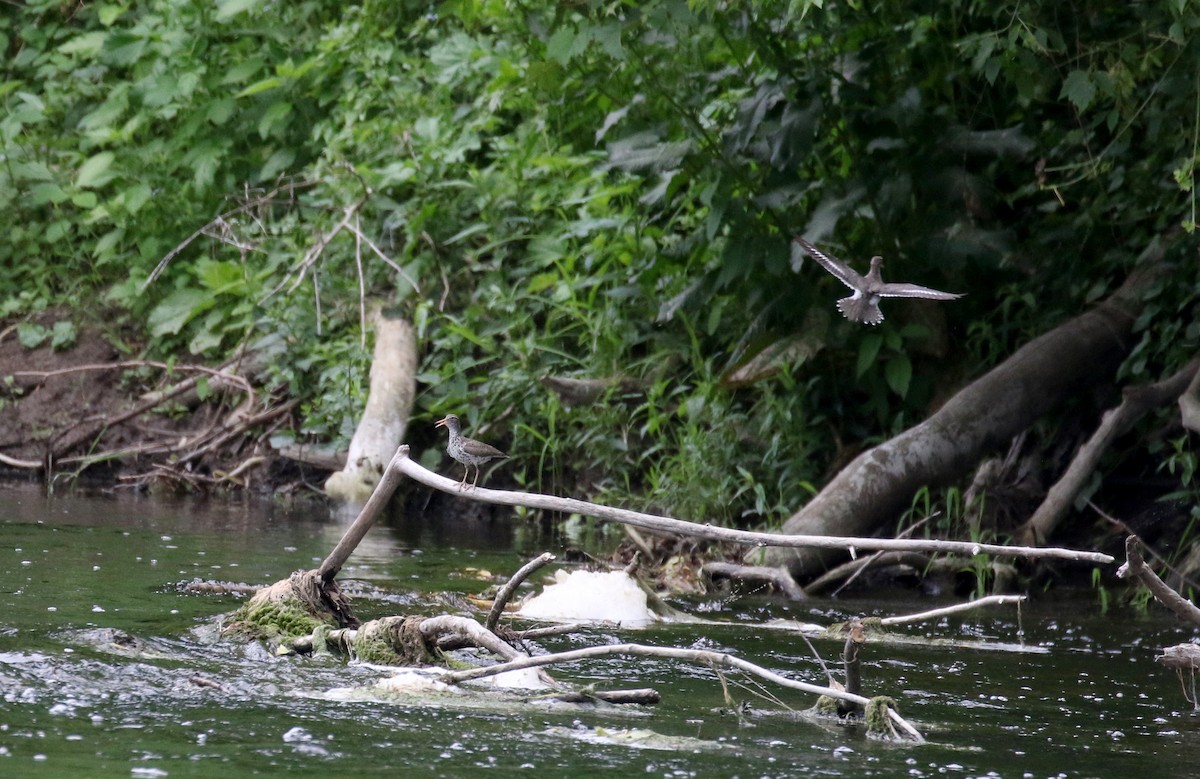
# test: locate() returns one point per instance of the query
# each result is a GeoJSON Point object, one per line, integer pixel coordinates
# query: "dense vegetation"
{"type": "Point", "coordinates": [603, 190]}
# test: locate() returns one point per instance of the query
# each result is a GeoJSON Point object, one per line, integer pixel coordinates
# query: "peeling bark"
{"type": "Point", "coordinates": [880, 483]}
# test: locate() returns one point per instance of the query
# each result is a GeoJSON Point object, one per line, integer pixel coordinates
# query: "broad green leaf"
{"type": "Point", "coordinates": [56, 231]}
{"type": "Point", "coordinates": [108, 241]}
{"type": "Point", "coordinates": [204, 160]}
{"type": "Point", "coordinates": [63, 335]}
{"type": "Point", "coordinates": [1079, 89]}
{"type": "Point", "coordinates": [558, 48]}
{"type": "Point", "coordinates": [609, 38]}
{"type": "Point", "coordinates": [219, 111]}
{"type": "Point", "coordinates": [261, 86]}
{"type": "Point", "coordinates": [242, 71]}
{"type": "Point", "coordinates": [180, 307]}
{"type": "Point", "coordinates": [31, 171]}
{"type": "Point", "coordinates": [94, 172]}
{"type": "Point", "coordinates": [220, 277]}
{"type": "Point", "coordinates": [293, 72]}
{"type": "Point", "coordinates": [279, 161]}
{"type": "Point", "coordinates": [89, 44]}
{"type": "Point", "coordinates": [135, 197]}
{"type": "Point", "coordinates": [109, 13]}
{"type": "Point", "coordinates": [898, 373]}
{"type": "Point", "coordinates": [204, 340]}
{"type": "Point", "coordinates": [162, 91]}
{"type": "Point", "coordinates": [227, 9]}
{"type": "Point", "coordinates": [31, 335]}
{"type": "Point", "coordinates": [48, 192]}
{"type": "Point", "coordinates": [542, 281]}
{"type": "Point", "coordinates": [274, 116]}
{"type": "Point", "coordinates": [124, 48]}
{"type": "Point", "coordinates": [107, 113]}
{"type": "Point", "coordinates": [868, 350]}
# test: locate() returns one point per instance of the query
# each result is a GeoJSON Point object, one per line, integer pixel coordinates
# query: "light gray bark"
{"type": "Point", "coordinates": [385, 418]}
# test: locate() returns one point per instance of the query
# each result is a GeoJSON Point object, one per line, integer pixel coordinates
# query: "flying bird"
{"type": "Point", "coordinates": [863, 305]}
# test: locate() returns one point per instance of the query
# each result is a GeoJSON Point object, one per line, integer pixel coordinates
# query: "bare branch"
{"type": "Point", "coordinates": [709, 659]}
{"type": "Point", "coordinates": [1136, 567]}
{"type": "Point", "coordinates": [246, 207]}
{"type": "Point", "coordinates": [668, 525]}
{"type": "Point", "coordinates": [778, 578]}
{"type": "Point", "coordinates": [923, 616]}
{"type": "Point", "coordinates": [506, 592]}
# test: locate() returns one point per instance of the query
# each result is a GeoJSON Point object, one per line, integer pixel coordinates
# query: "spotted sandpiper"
{"type": "Point", "coordinates": [467, 451]}
{"type": "Point", "coordinates": [863, 305]}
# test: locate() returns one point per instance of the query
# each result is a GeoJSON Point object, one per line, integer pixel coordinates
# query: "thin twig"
{"type": "Point", "coordinates": [315, 251]}
{"type": "Point", "coordinates": [908, 531]}
{"type": "Point", "coordinates": [379, 253]}
{"type": "Point", "coordinates": [290, 187]}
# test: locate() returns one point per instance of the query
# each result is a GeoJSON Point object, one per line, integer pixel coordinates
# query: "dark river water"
{"type": "Point", "coordinates": [108, 669]}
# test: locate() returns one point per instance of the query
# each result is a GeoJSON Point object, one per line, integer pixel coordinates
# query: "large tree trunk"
{"type": "Point", "coordinates": [385, 418]}
{"type": "Point", "coordinates": [879, 484]}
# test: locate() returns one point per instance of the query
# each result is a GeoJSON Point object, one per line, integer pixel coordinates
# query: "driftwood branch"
{"type": "Point", "coordinates": [710, 532]}
{"type": "Point", "coordinates": [370, 512]}
{"type": "Point", "coordinates": [449, 625]}
{"type": "Point", "coordinates": [778, 578]}
{"type": "Point", "coordinates": [978, 603]}
{"type": "Point", "coordinates": [1135, 403]}
{"type": "Point", "coordinates": [580, 392]}
{"type": "Point", "coordinates": [709, 659]}
{"type": "Point", "coordinates": [506, 592]}
{"type": "Point", "coordinates": [1136, 568]}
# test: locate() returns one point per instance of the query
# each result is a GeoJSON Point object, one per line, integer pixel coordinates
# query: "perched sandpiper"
{"type": "Point", "coordinates": [467, 451]}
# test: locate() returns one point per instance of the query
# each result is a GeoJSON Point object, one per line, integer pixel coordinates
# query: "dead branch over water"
{"type": "Point", "coordinates": [403, 463]}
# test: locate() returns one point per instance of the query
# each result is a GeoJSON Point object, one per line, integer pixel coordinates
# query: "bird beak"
{"type": "Point", "coordinates": [440, 423]}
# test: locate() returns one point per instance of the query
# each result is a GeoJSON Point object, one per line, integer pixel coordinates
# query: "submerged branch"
{"type": "Point", "coordinates": [713, 660]}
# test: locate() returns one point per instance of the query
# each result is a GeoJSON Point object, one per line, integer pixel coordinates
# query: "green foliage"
{"type": "Point", "coordinates": [61, 335]}
{"type": "Point", "coordinates": [592, 191]}
{"type": "Point", "coordinates": [1184, 464]}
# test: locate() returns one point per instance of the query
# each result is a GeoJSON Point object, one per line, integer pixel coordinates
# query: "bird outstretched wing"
{"type": "Point", "coordinates": [839, 269]}
{"type": "Point", "coordinates": [903, 290]}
